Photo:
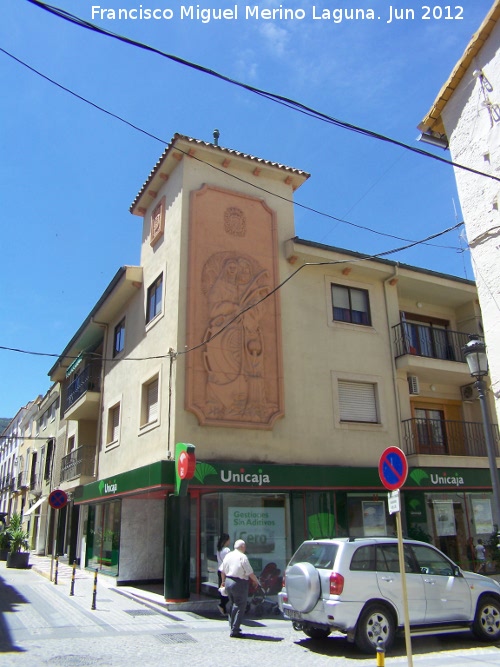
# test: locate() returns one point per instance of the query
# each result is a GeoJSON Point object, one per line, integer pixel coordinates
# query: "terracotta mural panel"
{"type": "Point", "coordinates": [234, 374]}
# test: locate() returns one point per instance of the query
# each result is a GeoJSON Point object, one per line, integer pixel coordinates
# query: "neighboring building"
{"type": "Point", "coordinates": [41, 474]}
{"type": "Point", "coordinates": [9, 462]}
{"type": "Point", "coordinates": [466, 112]}
{"type": "Point", "coordinates": [290, 394]}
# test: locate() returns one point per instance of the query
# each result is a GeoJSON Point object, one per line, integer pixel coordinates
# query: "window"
{"type": "Point", "coordinates": [150, 402]}
{"type": "Point", "coordinates": [350, 305]}
{"type": "Point", "coordinates": [119, 339]}
{"type": "Point", "coordinates": [114, 423]}
{"type": "Point", "coordinates": [154, 299]}
{"type": "Point", "coordinates": [358, 402]}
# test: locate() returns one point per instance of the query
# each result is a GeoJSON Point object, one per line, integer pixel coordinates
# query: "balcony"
{"type": "Point", "coordinates": [36, 484]}
{"type": "Point", "coordinates": [21, 481]}
{"type": "Point", "coordinates": [82, 395]}
{"type": "Point", "coordinates": [442, 437]}
{"type": "Point", "coordinates": [432, 353]}
{"type": "Point", "coordinates": [78, 463]}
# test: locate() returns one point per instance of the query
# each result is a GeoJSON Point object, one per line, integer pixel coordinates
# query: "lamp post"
{"type": "Point", "coordinates": [475, 355]}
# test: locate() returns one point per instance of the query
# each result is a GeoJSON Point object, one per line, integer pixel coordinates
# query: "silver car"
{"type": "Point", "coordinates": [353, 585]}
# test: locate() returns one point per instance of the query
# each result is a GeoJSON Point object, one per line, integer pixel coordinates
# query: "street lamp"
{"type": "Point", "coordinates": [475, 355]}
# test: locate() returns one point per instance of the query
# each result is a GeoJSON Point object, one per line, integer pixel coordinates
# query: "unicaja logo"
{"type": "Point", "coordinates": [242, 477]}
{"type": "Point", "coordinates": [110, 488]}
{"type": "Point", "coordinates": [454, 480]}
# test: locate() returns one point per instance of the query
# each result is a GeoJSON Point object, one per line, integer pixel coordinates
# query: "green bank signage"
{"type": "Point", "coordinates": [262, 477]}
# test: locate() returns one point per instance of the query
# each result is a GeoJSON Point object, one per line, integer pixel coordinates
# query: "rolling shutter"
{"type": "Point", "coordinates": [357, 402]}
{"type": "Point", "coordinates": [152, 411]}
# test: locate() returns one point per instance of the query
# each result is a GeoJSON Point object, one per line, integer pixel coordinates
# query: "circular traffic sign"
{"type": "Point", "coordinates": [58, 499]}
{"type": "Point", "coordinates": [393, 468]}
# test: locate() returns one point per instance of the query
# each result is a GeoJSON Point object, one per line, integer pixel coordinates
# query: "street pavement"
{"type": "Point", "coordinates": [42, 624]}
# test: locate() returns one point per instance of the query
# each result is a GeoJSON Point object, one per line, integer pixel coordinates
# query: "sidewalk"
{"type": "Point", "coordinates": [149, 593]}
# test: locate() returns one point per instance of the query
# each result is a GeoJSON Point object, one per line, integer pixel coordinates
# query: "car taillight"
{"type": "Point", "coordinates": [336, 583]}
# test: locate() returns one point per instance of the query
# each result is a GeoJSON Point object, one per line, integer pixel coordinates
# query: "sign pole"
{"type": "Point", "coordinates": [57, 500]}
{"type": "Point", "coordinates": [393, 469]}
{"type": "Point", "coordinates": [402, 569]}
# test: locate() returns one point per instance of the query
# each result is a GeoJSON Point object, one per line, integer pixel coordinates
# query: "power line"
{"type": "Point", "coordinates": [247, 308]}
{"type": "Point", "coordinates": [215, 167]}
{"type": "Point", "coordinates": [280, 99]}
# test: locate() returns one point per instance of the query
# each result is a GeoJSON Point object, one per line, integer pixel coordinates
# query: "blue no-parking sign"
{"type": "Point", "coordinates": [393, 468]}
{"type": "Point", "coordinates": [58, 499]}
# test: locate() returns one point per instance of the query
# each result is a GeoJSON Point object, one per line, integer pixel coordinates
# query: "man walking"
{"type": "Point", "coordinates": [235, 574]}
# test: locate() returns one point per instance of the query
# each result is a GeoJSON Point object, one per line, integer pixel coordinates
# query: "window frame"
{"type": "Point", "coordinates": [350, 290]}
{"type": "Point", "coordinates": [119, 334]}
{"type": "Point", "coordinates": [113, 430]}
{"type": "Point", "coordinates": [345, 401]}
{"type": "Point", "coordinates": [146, 423]}
{"type": "Point", "coordinates": [154, 300]}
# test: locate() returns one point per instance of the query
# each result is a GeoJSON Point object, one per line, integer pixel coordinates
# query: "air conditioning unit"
{"type": "Point", "coordinates": [469, 393]}
{"type": "Point", "coordinates": [413, 385]}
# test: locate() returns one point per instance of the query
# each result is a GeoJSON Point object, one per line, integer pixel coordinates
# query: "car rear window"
{"type": "Point", "coordinates": [319, 554]}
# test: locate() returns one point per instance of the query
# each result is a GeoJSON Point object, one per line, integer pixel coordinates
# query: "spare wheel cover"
{"type": "Point", "coordinates": [303, 586]}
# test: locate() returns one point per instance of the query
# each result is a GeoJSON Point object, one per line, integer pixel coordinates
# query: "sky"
{"type": "Point", "coordinates": [70, 171]}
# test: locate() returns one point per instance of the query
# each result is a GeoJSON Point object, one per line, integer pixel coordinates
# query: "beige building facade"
{"type": "Point", "coordinates": [290, 365]}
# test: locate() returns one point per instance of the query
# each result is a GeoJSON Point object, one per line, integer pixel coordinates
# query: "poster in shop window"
{"type": "Point", "coordinates": [444, 517]}
{"type": "Point", "coordinates": [374, 518]}
{"type": "Point", "coordinates": [263, 530]}
{"type": "Point", "coordinates": [483, 520]}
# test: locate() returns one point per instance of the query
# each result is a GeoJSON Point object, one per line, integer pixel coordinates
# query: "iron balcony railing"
{"type": "Point", "coordinates": [426, 341]}
{"type": "Point", "coordinates": [36, 483]}
{"type": "Point", "coordinates": [88, 380]}
{"type": "Point", "coordinates": [5, 483]}
{"type": "Point", "coordinates": [445, 437]}
{"type": "Point", "coordinates": [78, 463]}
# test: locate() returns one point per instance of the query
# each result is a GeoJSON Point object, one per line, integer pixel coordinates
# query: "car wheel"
{"type": "Point", "coordinates": [374, 626]}
{"type": "Point", "coordinates": [316, 633]}
{"type": "Point", "coordinates": [303, 586]}
{"type": "Point", "coordinates": [486, 624]}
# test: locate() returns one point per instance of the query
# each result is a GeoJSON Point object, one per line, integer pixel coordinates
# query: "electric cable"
{"type": "Point", "coordinates": [275, 97]}
{"type": "Point", "coordinates": [215, 167]}
{"type": "Point", "coordinates": [174, 354]}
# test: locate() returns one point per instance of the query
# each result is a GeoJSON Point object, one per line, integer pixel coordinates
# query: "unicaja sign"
{"type": "Point", "coordinates": [444, 479]}
{"type": "Point", "coordinates": [242, 477]}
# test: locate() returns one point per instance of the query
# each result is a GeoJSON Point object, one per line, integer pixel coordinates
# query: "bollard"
{"type": "Point", "coordinates": [55, 575]}
{"type": "Point", "coordinates": [72, 589]}
{"type": "Point", "coordinates": [380, 652]}
{"type": "Point", "coordinates": [94, 595]}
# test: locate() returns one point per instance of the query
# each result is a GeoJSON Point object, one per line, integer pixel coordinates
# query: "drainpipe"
{"type": "Point", "coordinates": [173, 356]}
{"type": "Point", "coordinates": [104, 326]}
{"type": "Point", "coordinates": [391, 282]}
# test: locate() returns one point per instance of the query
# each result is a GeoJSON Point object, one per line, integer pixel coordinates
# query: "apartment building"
{"type": "Point", "coordinates": [290, 365]}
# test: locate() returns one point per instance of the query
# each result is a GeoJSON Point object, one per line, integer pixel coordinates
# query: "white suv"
{"type": "Point", "coordinates": [354, 585]}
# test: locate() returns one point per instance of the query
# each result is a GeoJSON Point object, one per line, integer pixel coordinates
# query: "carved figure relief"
{"type": "Point", "coordinates": [234, 286]}
{"type": "Point", "coordinates": [234, 377]}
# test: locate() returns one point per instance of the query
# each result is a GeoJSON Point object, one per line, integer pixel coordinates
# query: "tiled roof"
{"type": "Point", "coordinates": [225, 151]}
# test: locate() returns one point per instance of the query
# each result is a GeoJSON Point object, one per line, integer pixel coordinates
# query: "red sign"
{"type": "Point", "coordinates": [393, 468]}
{"type": "Point", "coordinates": [58, 499]}
{"type": "Point", "coordinates": [186, 465]}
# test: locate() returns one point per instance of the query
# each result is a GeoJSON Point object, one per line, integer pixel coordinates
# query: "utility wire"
{"type": "Point", "coordinates": [244, 310]}
{"type": "Point", "coordinates": [215, 167]}
{"type": "Point", "coordinates": [280, 99]}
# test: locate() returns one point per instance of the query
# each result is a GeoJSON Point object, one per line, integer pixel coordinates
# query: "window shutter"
{"type": "Point", "coordinates": [115, 427]}
{"type": "Point", "coordinates": [152, 401]}
{"type": "Point", "coordinates": [357, 402]}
